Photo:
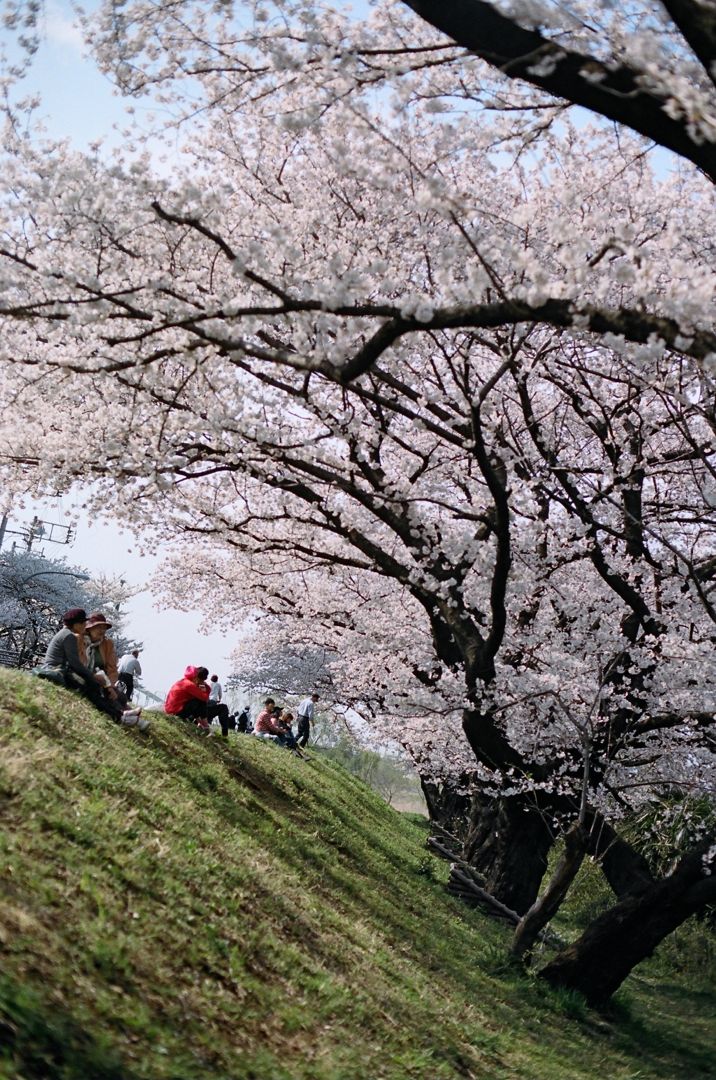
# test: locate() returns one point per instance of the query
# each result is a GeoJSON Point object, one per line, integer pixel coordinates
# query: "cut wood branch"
{"type": "Point", "coordinates": [464, 884]}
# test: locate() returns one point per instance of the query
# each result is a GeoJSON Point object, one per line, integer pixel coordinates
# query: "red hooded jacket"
{"type": "Point", "coordinates": [182, 691]}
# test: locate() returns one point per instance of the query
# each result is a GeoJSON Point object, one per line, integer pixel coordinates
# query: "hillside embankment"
{"type": "Point", "coordinates": [174, 907]}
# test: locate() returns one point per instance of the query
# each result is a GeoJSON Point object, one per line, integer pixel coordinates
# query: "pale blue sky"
{"type": "Point", "coordinates": [77, 100]}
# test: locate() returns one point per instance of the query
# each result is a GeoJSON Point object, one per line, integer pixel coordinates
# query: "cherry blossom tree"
{"type": "Point", "coordinates": [421, 363]}
{"type": "Point", "coordinates": [646, 68]}
{"type": "Point", "coordinates": [649, 68]}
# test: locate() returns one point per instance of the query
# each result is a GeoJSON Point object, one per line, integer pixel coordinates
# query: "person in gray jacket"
{"type": "Point", "coordinates": [63, 654]}
{"type": "Point", "coordinates": [129, 667]}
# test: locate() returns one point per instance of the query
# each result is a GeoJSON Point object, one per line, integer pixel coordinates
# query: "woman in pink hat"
{"type": "Point", "coordinates": [101, 658]}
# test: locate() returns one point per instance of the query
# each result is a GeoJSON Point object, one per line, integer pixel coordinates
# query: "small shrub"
{"type": "Point", "coordinates": [425, 867]}
{"type": "Point", "coordinates": [497, 960]}
{"type": "Point", "coordinates": [665, 828]}
{"type": "Point", "coordinates": [569, 1002]}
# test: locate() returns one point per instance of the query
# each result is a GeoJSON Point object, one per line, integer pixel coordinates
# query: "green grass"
{"type": "Point", "coordinates": [176, 908]}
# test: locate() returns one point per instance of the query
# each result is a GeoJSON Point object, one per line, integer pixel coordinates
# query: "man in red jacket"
{"type": "Point", "coordinates": [188, 697]}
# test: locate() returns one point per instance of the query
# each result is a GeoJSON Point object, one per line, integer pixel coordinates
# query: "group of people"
{"type": "Point", "coordinates": [276, 723]}
{"type": "Point", "coordinates": [193, 698]}
{"type": "Point", "coordinates": [81, 657]}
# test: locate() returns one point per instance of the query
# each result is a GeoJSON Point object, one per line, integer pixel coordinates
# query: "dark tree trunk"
{"type": "Point", "coordinates": [508, 844]}
{"type": "Point", "coordinates": [448, 808]}
{"type": "Point", "coordinates": [626, 870]}
{"type": "Point", "coordinates": [598, 963]}
{"type": "Point", "coordinates": [532, 924]}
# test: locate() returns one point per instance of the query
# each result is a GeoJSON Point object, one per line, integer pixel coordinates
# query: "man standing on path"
{"type": "Point", "coordinates": [305, 717]}
{"type": "Point", "coordinates": [129, 666]}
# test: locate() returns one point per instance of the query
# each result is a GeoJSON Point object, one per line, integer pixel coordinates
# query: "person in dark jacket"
{"type": "Point", "coordinates": [214, 706]}
{"type": "Point", "coordinates": [285, 721]}
{"type": "Point", "coordinates": [64, 654]}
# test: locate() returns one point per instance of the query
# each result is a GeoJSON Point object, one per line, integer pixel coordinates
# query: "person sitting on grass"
{"type": "Point", "coordinates": [266, 726]}
{"type": "Point", "coordinates": [275, 724]}
{"type": "Point", "coordinates": [101, 658]}
{"type": "Point", "coordinates": [215, 706]}
{"type": "Point", "coordinates": [289, 740]}
{"type": "Point", "coordinates": [187, 698]}
{"type": "Point", "coordinates": [67, 659]}
{"type": "Point", "coordinates": [63, 657]}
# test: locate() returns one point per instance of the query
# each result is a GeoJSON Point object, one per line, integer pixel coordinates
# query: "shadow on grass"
{"type": "Point", "coordinates": [666, 1034]}
{"type": "Point", "coordinates": [43, 1041]}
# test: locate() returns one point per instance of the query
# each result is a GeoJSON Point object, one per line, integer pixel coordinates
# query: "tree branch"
{"type": "Point", "coordinates": [615, 91]}
{"type": "Point", "coordinates": [697, 23]}
{"type": "Point", "coordinates": [636, 326]}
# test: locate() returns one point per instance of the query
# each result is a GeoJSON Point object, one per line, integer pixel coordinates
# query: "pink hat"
{"type": "Point", "coordinates": [98, 619]}
{"type": "Point", "coordinates": [190, 671]}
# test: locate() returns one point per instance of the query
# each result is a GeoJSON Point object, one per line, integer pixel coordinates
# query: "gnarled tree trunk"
{"type": "Point", "coordinates": [598, 963]}
{"type": "Point", "coordinates": [532, 924]}
{"type": "Point", "coordinates": [509, 839]}
{"type": "Point", "coordinates": [508, 843]}
{"type": "Point", "coordinates": [626, 869]}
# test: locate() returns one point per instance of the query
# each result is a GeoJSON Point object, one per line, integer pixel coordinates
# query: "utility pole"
{"type": "Point", "coordinates": [37, 530]}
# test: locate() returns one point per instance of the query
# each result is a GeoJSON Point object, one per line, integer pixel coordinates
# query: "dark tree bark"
{"type": "Point", "coordinates": [508, 843]}
{"type": "Point", "coordinates": [613, 90]}
{"type": "Point", "coordinates": [532, 924]}
{"type": "Point", "coordinates": [448, 808]}
{"type": "Point", "coordinates": [598, 963]}
{"type": "Point", "coordinates": [626, 870]}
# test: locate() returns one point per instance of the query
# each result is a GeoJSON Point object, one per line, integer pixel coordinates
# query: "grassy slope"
{"type": "Point", "coordinates": [172, 907]}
